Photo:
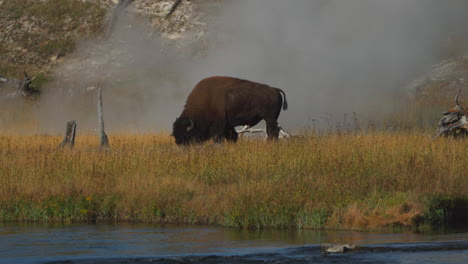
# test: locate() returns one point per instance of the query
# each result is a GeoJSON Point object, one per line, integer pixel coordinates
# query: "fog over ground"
{"type": "Point", "coordinates": [329, 56]}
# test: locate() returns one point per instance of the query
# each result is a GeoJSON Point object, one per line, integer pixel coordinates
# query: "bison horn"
{"type": "Point", "coordinates": [192, 125]}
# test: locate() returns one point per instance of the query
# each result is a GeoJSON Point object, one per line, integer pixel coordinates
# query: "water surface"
{"type": "Point", "coordinates": [142, 243]}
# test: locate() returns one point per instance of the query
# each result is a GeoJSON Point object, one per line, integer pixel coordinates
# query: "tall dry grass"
{"type": "Point", "coordinates": [337, 181]}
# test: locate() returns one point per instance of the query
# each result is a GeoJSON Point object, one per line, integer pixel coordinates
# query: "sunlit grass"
{"type": "Point", "coordinates": [336, 181]}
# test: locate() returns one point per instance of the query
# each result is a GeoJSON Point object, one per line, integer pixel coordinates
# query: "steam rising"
{"type": "Point", "coordinates": [328, 56]}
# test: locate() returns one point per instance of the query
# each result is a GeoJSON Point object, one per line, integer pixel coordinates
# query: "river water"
{"type": "Point", "coordinates": [141, 243]}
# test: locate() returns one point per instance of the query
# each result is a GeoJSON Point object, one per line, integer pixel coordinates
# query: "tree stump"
{"type": "Point", "coordinates": [70, 133]}
{"type": "Point", "coordinates": [103, 139]}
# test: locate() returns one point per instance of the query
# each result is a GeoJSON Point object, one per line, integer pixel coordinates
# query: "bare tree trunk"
{"type": "Point", "coordinates": [70, 133]}
{"type": "Point", "coordinates": [103, 140]}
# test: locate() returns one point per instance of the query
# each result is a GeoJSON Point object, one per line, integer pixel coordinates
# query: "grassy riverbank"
{"type": "Point", "coordinates": [336, 181]}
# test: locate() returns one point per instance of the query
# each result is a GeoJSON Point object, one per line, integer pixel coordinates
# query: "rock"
{"type": "Point", "coordinates": [337, 248]}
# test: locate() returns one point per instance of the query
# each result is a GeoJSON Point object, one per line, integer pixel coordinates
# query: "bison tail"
{"type": "Point", "coordinates": [285, 102]}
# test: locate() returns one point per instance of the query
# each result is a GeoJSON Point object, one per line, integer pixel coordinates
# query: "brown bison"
{"type": "Point", "coordinates": [218, 104]}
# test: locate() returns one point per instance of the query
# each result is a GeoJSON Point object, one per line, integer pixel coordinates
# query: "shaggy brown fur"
{"type": "Point", "coordinates": [218, 104]}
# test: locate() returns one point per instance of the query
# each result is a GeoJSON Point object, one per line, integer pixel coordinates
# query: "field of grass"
{"type": "Point", "coordinates": [372, 181]}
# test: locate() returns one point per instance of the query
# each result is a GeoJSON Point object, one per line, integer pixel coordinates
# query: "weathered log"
{"type": "Point", "coordinates": [103, 139]}
{"type": "Point", "coordinates": [70, 132]}
{"type": "Point", "coordinates": [247, 129]}
{"type": "Point", "coordinates": [453, 122]}
{"type": "Point", "coordinates": [283, 133]}
{"type": "Point", "coordinates": [23, 87]}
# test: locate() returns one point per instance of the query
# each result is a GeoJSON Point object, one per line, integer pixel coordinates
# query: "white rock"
{"type": "Point", "coordinates": [337, 248]}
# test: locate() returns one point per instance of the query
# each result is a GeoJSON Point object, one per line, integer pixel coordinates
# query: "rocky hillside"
{"type": "Point", "coordinates": [35, 35]}
{"type": "Point", "coordinates": [446, 77]}
{"type": "Point", "coordinates": [434, 92]}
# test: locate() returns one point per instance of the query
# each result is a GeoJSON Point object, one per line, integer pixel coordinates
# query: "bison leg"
{"type": "Point", "coordinates": [272, 129]}
{"type": "Point", "coordinates": [217, 132]}
{"type": "Point", "coordinates": [231, 134]}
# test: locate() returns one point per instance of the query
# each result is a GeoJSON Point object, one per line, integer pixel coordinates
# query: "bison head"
{"type": "Point", "coordinates": [184, 131]}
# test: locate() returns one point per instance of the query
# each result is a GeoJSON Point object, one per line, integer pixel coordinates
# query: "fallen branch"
{"type": "Point", "coordinates": [453, 122]}
{"type": "Point", "coordinates": [247, 129]}
{"type": "Point", "coordinates": [283, 133]}
{"type": "Point", "coordinates": [22, 87]}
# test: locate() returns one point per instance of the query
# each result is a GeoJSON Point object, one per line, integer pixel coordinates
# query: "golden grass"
{"type": "Point", "coordinates": [336, 181]}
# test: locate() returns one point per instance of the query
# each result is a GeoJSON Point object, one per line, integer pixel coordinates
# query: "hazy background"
{"type": "Point", "coordinates": [329, 56]}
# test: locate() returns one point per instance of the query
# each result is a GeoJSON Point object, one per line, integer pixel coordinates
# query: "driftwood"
{"type": "Point", "coordinates": [454, 122]}
{"type": "Point", "coordinates": [247, 129]}
{"type": "Point", "coordinates": [22, 87]}
{"type": "Point", "coordinates": [70, 133]}
{"type": "Point", "coordinates": [103, 139]}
